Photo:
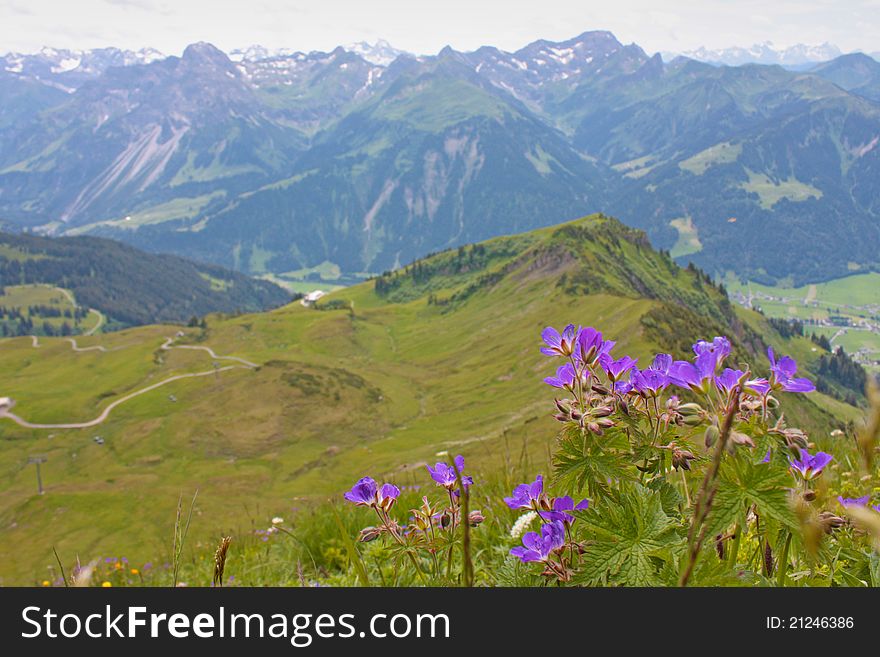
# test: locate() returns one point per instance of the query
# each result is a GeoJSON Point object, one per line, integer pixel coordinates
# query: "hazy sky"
{"type": "Point", "coordinates": [425, 27]}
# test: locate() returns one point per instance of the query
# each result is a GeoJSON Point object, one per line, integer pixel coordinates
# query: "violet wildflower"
{"type": "Point", "coordinates": [561, 508]}
{"type": "Point", "coordinates": [697, 375]}
{"type": "Point", "coordinates": [854, 501]}
{"type": "Point", "coordinates": [729, 378]}
{"type": "Point", "coordinates": [782, 374]}
{"type": "Point", "coordinates": [591, 346]}
{"type": "Point", "coordinates": [527, 496]}
{"type": "Point", "coordinates": [809, 466]}
{"type": "Point", "coordinates": [648, 382]}
{"type": "Point", "coordinates": [719, 347]}
{"type": "Point", "coordinates": [622, 387]}
{"type": "Point", "coordinates": [366, 492]}
{"type": "Point", "coordinates": [564, 378]}
{"type": "Point", "coordinates": [363, 493]}
{"type": "Point", "coordinates": [387, 496]}
{"type": "Point", "coordinates": [540, 547]}
{"type": "Point", "coordinates": [444, 474]}
{"type": "Point", "coordinates": [767, 456]}
{"type": "Point", "coordinates": [616, 368]}
{"type": "Point", "coordinates": [559, 344]}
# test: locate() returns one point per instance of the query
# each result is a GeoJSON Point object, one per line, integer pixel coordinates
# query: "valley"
{"type": "Point", "coordinates": [845, 310]}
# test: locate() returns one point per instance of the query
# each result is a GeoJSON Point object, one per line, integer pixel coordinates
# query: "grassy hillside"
{"type": "Point", "coordinates": [129, 286]}
{"type": "Point", "coordinates": [378, 378]}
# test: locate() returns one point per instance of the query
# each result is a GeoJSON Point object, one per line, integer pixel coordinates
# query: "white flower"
{"type": "Point", "coordinates": [277, 521]}
{"type": "Point", "coordinates": [522, 524]}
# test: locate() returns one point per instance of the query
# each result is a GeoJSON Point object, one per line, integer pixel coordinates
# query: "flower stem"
{"type": "Point", "coordinates": [706, 495]}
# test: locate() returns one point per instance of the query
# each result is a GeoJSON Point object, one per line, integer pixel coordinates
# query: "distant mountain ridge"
{"type": "Point", "coordinates": [767, 53]}
{"type": "Point", "coordinates": [277, 162]}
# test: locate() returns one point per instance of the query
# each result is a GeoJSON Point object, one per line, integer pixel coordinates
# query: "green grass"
{"type": "Point", "coordinates": [770, 192]}
{"type": "Point", "coordinates": [434, 105]}
{"type": "Point", "coordinates": [378, 389]}
{"type": "Point", "coordinates": [178, 208]}
{"type": "Point", "coordinates": [23, 296]}
{"type": "Point", "coordinates": [854, 295]}
{"type": "Point", "coordinates": [723, 153]}
{"type": "Point", "coordinates": [688, 241]}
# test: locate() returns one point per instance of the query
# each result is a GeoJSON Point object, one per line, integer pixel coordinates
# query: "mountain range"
{"type": "Point", "coordinates": [797, 56]}
{"type": "Point", "coordinates": [367, 158]}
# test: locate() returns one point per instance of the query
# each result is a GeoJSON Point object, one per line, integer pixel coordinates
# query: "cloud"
{"type": "Point", "coordinates": [426, 27]}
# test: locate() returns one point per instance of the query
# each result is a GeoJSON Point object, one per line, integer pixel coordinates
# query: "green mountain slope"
{"type": "Point", "coordinates": [439, 355]}
{"type": "Point", "coordinates": [129, 286]}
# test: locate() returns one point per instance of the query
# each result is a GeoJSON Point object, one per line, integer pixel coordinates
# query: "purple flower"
{"type": "Point", "coordinates": [876, 508]}
{"type": "Point", "coordinates": [615, 368]}
{"type": "Point", "coordinates": [590, 345]}
{"type": "Point", "coordinates": [697, 375]}
{"type": "Point", "coordinates": [387, 496]}
{"type": "Point", "coordinates": [559, 344]}
{"type": "Point", "coordinates": [366, 492]}
{"type": "Point", "coordinates": [561, 507]}
{"type": "Point", "coordinates": [444, 474]}
{"type": "Point", "coordinates": [766, 458]}
{"type": "Point", "coordinates": [363, 493]}
{"type": "Point", "coordinates": [661, 363]}
{"type": "Point", "coordinates": [564, 378]}
{"type": "Point", "coordinates": [782, 374]}
{"type": "Point", "coordinates": [539, 547]}
{"type": "Point", "coordinates": [719, 347]}
{"type": "Point", "coordinates": [809, 466]}
{"type": "Point", "coordinates": [727, 380]}
{"type": "Point", "coordinates": [526, 496]}
{"type": "Point", "coordinates": [854, 501]}
{"type": "Point", "coordinates": [648, 382]}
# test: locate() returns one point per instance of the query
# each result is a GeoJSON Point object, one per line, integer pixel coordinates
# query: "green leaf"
{"type": "Point", "coordinates": [353, 554]}
{"type": "Point", "coordinates": [742, 483]}
{"type": "Point", "coordinates": [629, 542]}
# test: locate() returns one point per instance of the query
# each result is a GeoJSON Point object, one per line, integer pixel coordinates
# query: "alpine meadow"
{"type": "Point", "coordinates": [569, 315]}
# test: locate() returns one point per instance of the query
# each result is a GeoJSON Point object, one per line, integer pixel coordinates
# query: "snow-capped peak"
{"type": "Point", "coordinates": [380, 53]}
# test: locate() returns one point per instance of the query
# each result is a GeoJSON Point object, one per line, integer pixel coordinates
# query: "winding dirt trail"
{"type": "Point", "coordinates": [167, 345]}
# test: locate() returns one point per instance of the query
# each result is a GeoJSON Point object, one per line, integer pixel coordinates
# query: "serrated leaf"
{"type": "Point", "coordinates": [629, 541]}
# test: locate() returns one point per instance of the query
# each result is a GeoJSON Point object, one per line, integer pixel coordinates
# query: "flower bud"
{"type": "Point", "coordinates": [561, 418]}
{"type": "Point", "coordinates": [690, 409]}
{"type": "Point", "coordinates": [830, 521]}
{"type": "Point", "coordinates": [605, 422]}
{"type": "Point", "coordinates": [369, 534]}
{"type": "Point", "coordinates": [475, 518]}
{"type": "Point", "coordinates": [603, 411]}
{"type": "Point", "coordinates": [795, 437]}
{"type": "Point", "coordinates": [445, 519]}
{"type": "Point", "coordinates": [739, 438]}
{"type": "Point", "coordinates": [711, 435]}
{"type": "Point", "coordinates": [681, 458]}
{"type": "Point", "coordinates": [602, 390]}
{"type": "Point", "coordinates": [809, 495]}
